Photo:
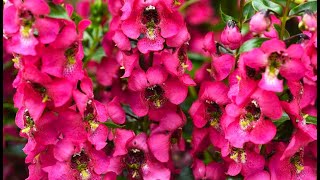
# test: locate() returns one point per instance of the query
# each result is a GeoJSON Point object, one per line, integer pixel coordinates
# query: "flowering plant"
{"type": "Point", "coordinates": [162, 89]}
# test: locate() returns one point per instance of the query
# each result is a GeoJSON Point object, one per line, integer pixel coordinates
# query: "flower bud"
{"type": "Point", "coordinates": [260, 22]}
{"type": "Point", "coordinates": [308, 22]}
{"type": "Point", "coordinates": [231, 35]}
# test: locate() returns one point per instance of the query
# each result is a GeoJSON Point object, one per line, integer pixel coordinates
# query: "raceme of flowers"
{"type": "Point", "coordinates": [135, 126]}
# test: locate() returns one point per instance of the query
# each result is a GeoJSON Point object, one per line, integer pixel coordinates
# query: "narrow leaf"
{"type": "Point", "coordinates": [225, 18]}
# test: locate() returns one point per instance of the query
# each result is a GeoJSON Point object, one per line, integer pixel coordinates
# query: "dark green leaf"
{"type": "Point", "coordinates": [98, 54]}
{"type": "Point", "coordinates": [252, 43]}
{"type": "Point", "coordinates": [225, 18]}
{"type": "Point", "coordinates": [57, 11]}
{"type": "Point", "coordinates": [197, 57]}
{"type": "Point", "coordinates": [112, 125]}
{"type": "Point", "coordinates": [186, 174]}
{"type": "Point", "coordinates": [76, 18]}
{"type": "Point", "coordinates": [259, 5]}
{"type": "Point", "coordinates": [311, 5]}
{"type": "Point", "coordinates": [311, 120]}
{"type": "Point", "coordinates": [278, 28]}
{"type": "Point", "coordinates": [238, 177]}
{"type": "Point", "coordinates": [284, 118]}
{"type": "Point", "coordinates": [248, 11]}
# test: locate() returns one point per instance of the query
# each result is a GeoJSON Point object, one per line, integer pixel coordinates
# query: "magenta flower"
{"type": "Point", "coordinates": [156, 21]}
{"type": "Point", "coordinates": [135, 158]}
{"type": "Point", "coordinates": [245, 161]}
{"type": "Point", "coordinates": [211, 171]}
{"type": "Point", "coordinates": [231, 35]}
{"type": "Point", "coordinates": [273, 58]}
{"type": "Point", "coordinates": [296, 166]}
{"type": "Point", "coordinates": [83, 163]}
{"type": "Point", "coordinates": [250, 123]}
{"type": "Point", "coordinates": [153, 89]}
{"type": "Point", "coordinates": [168, 137]}
{"type": "Point", "coordinates": [260, 22]}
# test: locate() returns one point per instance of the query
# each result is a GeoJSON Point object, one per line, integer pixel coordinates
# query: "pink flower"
{"type": "Point", "coordinates": [168, 137]}
{"type": "Point", "coordinates": [177, 64]}
{"type": "Point", "coordinates": [155, 21]}
{"type": "Point", "coordinates": [231, 35]}
{"type": "Point", "coordinates": [245, 161]}
{"type": "Point", "coordinates": [221, 66]}
{"type": "Point", "coordinates": [297, 166]}
{"type": "Point", "coordinates": [209, 107]}
{"type": "Point", "coordinates": [260, 22]}
{"type": "Point", "coordinates": [83, 163]}
{"type": "Point", "coordinates": [211, 171]}
{"type": "Point", "coordinates": [249, 123]}
{"type": "Point", "coordinates": [133, 150]}
{"type": "Point", "coordinates": [308, 22]}
{"type": "Point", "coordinates": [274, 59]}
{"type": "Point", "coordinates": [152, 89]}
{"type": "Point", "coordinates": [200, 12]}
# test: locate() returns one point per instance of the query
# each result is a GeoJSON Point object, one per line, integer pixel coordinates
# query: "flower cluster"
{"type": "Point", "coordinates": [246, 108]}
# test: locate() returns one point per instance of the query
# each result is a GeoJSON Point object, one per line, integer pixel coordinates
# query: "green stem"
{"type": "Point", "coordinates": [284, 19]}
{"type": "Point", "coordinates": [193, 92]}
{"type": "Point", "coordinates": [187, 4]}
{"type": "Point", "coordinates": [241, 13]}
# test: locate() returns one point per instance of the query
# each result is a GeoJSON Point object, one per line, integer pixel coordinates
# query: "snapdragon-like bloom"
{"type": "Point", "coordinates": [153, 23]}
{"type": "Point", "coordinates": [250, 123]}
{"type": "Point", "coordinates": [153, 89]}
{"type": "Point", "coordinates": [271, 60]}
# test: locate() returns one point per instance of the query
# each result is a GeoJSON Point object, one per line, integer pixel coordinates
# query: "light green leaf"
{"type": "Point", "coordinates": [57, 11]}
{"type": "Point", "coordinates": [312, 120]}
{"type": "Point", "coordinates": [110, 124]}
{"type": "Point", "coordinates": [311, 5]}
{"type": "Point", "coordinates": [252, 43]}
{"type": "Point", "coordinates": [259, 5]}
{"type": "Point", "coordinates": [98, 54]}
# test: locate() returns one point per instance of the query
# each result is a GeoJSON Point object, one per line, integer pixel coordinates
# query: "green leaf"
{"type": "Point", "coordinates": [197, 57]}
{"type": "Point", "coordinates": [57, 11]}
{"type": "Point", "coordinates": [244, 29]}
{"type": "Point", "coordinates": [110, 124]}
{"type": "Point", "coordinates": [311, 120]}
{"type": "Point", "coordinates": [311, 5]}
{"type": "Point", "coordinates": [248, 11]}
{"type": "Point", "coordinates": [76, 18]}
{"type": "Point", "coordinates": [278, 28]}
{"type": "Point", "coordinates": [98, 54]}
{"type": "Point", "coordinates": [225, 18]}
{"type": "Point", "coordinates": [252, 43]}
{"type": "Point", "coordinates": [283, 118]}
{"type": "Point", "coordinates": [186, 174]}
{"type": "Point", "coordinates": [259, 5]}
{"type": "Point", "coordinates": [283, 3]}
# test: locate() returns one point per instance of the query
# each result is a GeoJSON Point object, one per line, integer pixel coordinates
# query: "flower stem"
{"type": "Point", "coordinates": [284, 19]}
{"type": "Point", "coordinates": [241, 13]}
